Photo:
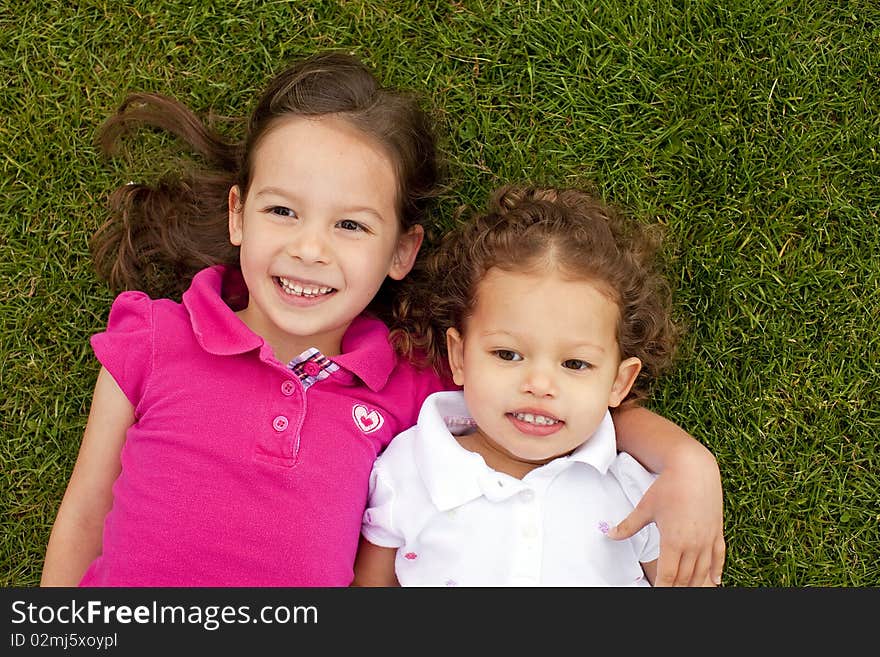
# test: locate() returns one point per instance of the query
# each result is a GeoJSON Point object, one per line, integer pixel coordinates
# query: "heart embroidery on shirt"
{"type": "Point", "coordinates": [368, 421]}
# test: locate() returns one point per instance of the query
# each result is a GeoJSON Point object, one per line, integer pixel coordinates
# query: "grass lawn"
{"type": "Point", "coordinates": [748, 128]}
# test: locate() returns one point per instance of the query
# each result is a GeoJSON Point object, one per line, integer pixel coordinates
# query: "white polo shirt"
{"type": "Point", "coordinates": [457, 522]}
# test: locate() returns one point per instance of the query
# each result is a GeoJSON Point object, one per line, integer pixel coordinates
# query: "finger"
{"type": "Point", "coordinates": [685, 569]}
{"type": "Point", "coordinates": [702, 566]}
{"type": "Point", "coordinates": [629, 525]}
{"type": "Point", "coordinates": [667, 565]}
{"type": "Point", "coordinates": [719, 552]}
{"type": "Point", "coordinates": [666, 572]}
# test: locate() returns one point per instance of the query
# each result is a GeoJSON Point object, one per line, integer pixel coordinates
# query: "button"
{"type": "Point", "coordinates": [312, 368]}
{"type": "Point", "coordinates": [530, 531]}
{"type": "Point", "coordinates": [280, 423]}
{"type": "Point", "coordinates": [287, 388]}
{"type": "Point", "coordinates": [527, 495]}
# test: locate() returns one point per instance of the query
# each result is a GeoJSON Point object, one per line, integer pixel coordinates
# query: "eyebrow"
{"type": "Point", "coordinates": [277, 191]}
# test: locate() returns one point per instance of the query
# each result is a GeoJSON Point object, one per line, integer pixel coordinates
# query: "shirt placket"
{"type": "Point", "coordinates": [527, 549]}
{"type": "Point", "coordinates": [281, 443]}
{"type": "Point", "coordinates": [278, 443]}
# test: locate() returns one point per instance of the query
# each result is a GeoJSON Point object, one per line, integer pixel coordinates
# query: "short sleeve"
{"type": "Point", "coordinates": [125, 348]}
{"type": "Point", "coordinates": [635, 480]}
{"type": "Point", "coordinates": [378, 520]}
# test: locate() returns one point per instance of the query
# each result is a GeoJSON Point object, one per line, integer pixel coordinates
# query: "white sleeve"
{"type": "Point", "coordinates": [635, 480]}
{"type": "Point", "coordinates": [378, 521]}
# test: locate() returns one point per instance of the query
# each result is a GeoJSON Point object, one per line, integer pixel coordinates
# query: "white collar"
{"type": "Point", "coordinates": [454, 475]}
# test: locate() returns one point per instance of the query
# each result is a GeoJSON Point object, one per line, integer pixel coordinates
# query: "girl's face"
{"type": "Point", "coordinates": [319, 232]}
{"type": "Point", "coordinates": [539, 363]}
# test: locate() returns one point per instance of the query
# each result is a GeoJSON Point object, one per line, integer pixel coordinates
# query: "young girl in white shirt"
{"type": "Point", "coordinates": [549, 310]}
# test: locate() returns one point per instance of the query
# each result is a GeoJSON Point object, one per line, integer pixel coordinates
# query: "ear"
{"type": "Point", "coordinates": [455, 353]}
{"type": "Point", "coordinates": [627, 372]}
{"type": "Point", "coordinates": [236, 215]}
{"type": "Point", "coordinates": [405, 252]}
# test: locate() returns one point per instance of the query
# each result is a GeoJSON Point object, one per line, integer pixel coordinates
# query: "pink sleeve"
{"type": "Point", "coordinates": [125, 349]}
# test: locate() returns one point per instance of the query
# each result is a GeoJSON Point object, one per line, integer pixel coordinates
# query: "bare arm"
{"type": "Point", "coordinates": [374, 565]}
{"type": "Point", "coordinates": [652, 439]}
{"type": "Point", "coordinates": [77, 533]}
{"type": "Point", "coordinates": [685, 502]}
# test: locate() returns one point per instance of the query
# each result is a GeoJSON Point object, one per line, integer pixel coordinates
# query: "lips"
{"type": "Point", "coordinates": [535, 423]}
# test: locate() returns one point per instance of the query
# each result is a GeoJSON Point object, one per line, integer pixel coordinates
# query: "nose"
{"type": "Point", "coordinates": [538, 381]}
{"type": "Point", "coordinates": [309, 244]}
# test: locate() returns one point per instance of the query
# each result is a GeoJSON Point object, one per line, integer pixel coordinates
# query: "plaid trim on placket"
{"type": "Point", "coordinates": [312, 366]}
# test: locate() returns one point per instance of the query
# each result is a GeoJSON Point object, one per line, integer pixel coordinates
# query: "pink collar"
{"type": "Point", "coordinates": [366, 351]}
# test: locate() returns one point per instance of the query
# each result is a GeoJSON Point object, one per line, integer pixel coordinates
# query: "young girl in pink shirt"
{"type": "Point", "coordinates": [231, 434]}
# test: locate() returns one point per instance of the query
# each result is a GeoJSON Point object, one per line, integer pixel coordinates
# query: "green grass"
{"type": "Point", "coordinates": [749, 130]}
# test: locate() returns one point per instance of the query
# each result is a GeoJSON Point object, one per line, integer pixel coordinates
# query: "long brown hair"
{"type": "Point", "coordinates": [159, 235]}
{"type": "Point", "coordinates": [528, 228]}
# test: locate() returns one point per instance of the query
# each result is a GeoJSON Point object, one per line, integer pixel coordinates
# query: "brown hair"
{"type": "Point", "coordinates": [528, 229]}
{"type": "Point", "coordinates": [159, 236]}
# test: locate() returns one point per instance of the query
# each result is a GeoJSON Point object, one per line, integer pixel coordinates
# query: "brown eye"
{"type": "Point", "coordinates": [507, 354]}
{"type": "Point", "coordinates": [348, 224]}
{"type": "Point", "coordinates": [576, 364]}
{"type": "Point", "coordinates": [281, 211]}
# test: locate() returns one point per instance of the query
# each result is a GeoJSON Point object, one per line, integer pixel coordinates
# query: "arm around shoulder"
{"type": "Point", "coordinates": [656, 442]}
{"type": "Point", "coordinates": [76, 536]}
{"type": "Point", "coordinates": [685, 502]}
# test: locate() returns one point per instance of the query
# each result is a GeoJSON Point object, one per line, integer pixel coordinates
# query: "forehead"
{"type": "Point", "coordinates": [543, 305]}
{"type": "Point", "coordinates": [331, 135]}
{"type": "Point", "coordinates": [325, 152]}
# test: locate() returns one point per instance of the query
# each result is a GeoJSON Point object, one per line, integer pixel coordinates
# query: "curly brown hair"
{"type": "Point", "coordinates": [159, 236]}
{"type": "Point", "coordinates": [528, 228]}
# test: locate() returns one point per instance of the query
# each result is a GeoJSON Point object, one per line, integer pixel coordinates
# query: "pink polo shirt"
{"type": "Point", "coordinates": [240, 470]}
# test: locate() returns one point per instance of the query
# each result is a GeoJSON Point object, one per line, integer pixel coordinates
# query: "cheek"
{"type": "Point", "coordinates": [476, 369]}
{"type": "Point", "coordinates": [483, 403]}
{"type": "Point", "coordinates": [251, 253]}
{"type": "Point", "coordinates": [364, 266]}
{"type": "Point", "coordinates": [257, 240]}
{"type": "Point", "coordinates": [483, 382]}
{"type": "Point", "coordinates": [591, 399]}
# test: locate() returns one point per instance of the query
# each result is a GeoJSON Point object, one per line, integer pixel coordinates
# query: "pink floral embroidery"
{"type": "Point", "coordinates": [451, 582]}
{"type": "Point", "coordinates": [603, 527]}
{"type": "Point", "coordinates": [410, 555]}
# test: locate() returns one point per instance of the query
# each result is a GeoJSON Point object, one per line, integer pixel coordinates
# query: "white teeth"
{"type": "Point", "coordinates": [303, 291]}
{"type": "Point", "coordinates": [535, 419]}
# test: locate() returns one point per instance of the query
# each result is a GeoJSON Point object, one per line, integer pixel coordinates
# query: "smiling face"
{"type": "Point", "coordinates": [319, 231]}
{"type": "Point", "coordinates": [540, 365]}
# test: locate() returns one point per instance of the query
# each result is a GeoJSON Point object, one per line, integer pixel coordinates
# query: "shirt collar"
{"type": "Point", "coordinates": [454, 475]}
{"type": "Point", "coordinates": [366, 350]}
{"type": "Point", "coordinates": [216, 326]}
{"type": "Point", "coordinates": [600, 449]}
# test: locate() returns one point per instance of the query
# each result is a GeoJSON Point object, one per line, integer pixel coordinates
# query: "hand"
{"type": "Point", "coordinates": [685, 502]}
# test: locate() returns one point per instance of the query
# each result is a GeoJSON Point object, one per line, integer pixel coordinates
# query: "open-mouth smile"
{"type": "Point", "coordinates": [304, 290]}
